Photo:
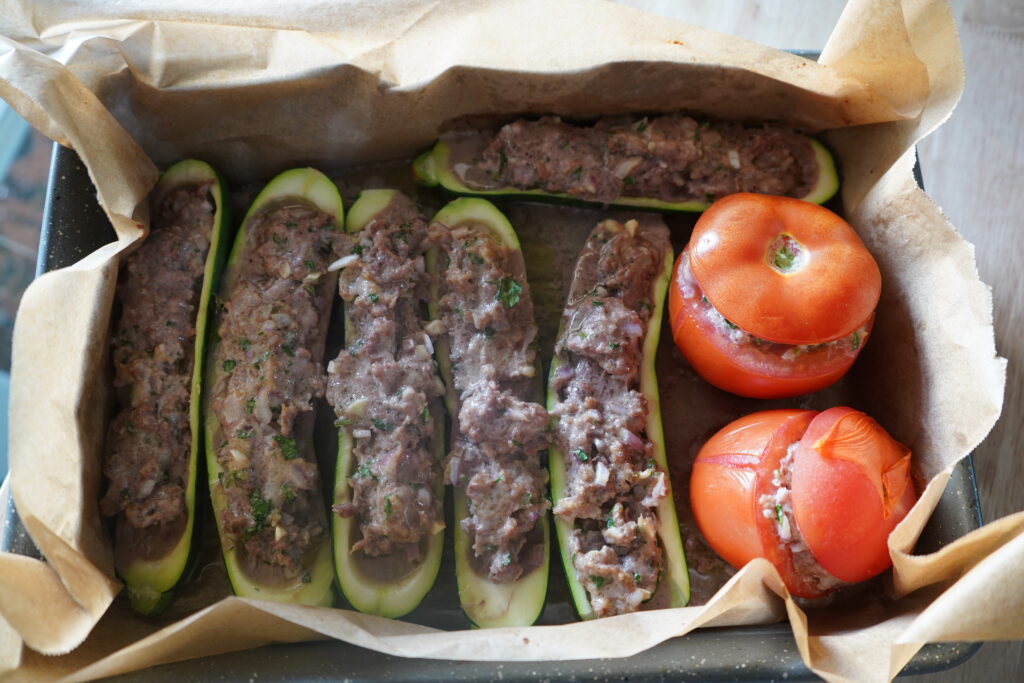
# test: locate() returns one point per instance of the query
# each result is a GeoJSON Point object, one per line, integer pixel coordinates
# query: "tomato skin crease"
{"type": "Point", "coordinates": [850, 487]}
{"type": "Point", "coordinates": [739, 367]}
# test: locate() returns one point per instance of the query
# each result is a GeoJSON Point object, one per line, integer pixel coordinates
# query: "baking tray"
{"type": "Point", "coordinates": [74, 226]}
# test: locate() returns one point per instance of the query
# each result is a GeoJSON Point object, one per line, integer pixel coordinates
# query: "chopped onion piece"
{"type": "Point", "coordinates": [343, 262]}
{"type": "Point", "coordinates": [358, 406]}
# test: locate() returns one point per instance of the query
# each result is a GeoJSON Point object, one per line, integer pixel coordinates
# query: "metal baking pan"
{"type": "Point", "coordinates": [74, 226]}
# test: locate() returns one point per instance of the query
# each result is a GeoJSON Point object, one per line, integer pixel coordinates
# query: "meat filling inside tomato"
{"type": "Point", "coordinates": [755, 353]}
{"type": "Point", "coordinates": [779, 506]}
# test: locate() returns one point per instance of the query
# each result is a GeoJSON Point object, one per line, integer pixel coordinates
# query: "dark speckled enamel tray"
{"type": "Point", "coordinates": [74, 226]}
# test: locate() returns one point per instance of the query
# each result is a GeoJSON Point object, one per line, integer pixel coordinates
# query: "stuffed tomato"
{"type": "Point", "coordinates": [773, 297]}
{"type": "Point", "coordinates": [816, 494]}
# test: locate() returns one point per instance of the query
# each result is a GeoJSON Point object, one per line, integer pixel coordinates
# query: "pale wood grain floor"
{"type": "Point", "coordinates": [973, 167]}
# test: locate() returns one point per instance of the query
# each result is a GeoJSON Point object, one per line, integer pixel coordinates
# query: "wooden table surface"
{"type": "Point", "coordinates": [972, 169]}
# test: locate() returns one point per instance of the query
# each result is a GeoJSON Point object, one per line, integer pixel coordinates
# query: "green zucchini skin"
{"type": "Point", "coordinates": [486, 604]}
{"type": "Point", "coordinates": [675, 577]}
{"type": "Point", "coordinates": [150, 583]}
{"type": "Point", "coordinates": [310, 186]}
{"type": "Point", "coordinates": [432, 169]}
{"type": "Point", "coordinates": [368, 595]}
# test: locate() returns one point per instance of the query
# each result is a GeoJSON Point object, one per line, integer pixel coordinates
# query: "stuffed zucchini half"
{"type": "Point", "coordinates": [498, 438]}
{"type": "Point", "coordinates": [388, 492]}
{"type": "Point", "coordinates": [614, 514]}
{"type": "Point", "coordinates": [663, 163]}
{"type": "Point", "coordinates": [262, 377]}
{"type": "Point", "coordinates": [153, 442]}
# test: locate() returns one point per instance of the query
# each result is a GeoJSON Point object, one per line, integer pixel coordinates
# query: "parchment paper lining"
{"type": "Point", "coordinates": [261, 88]}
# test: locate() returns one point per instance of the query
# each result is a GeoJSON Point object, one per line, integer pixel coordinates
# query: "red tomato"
{"type": "Point", "coordinates": [773, 297]}
{"type": "Point", "coordinates": [846, 487]}
{"type": "Point", "coordinates": [876, 492]}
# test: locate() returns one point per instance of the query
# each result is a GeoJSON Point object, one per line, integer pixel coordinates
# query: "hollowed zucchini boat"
{"type": "Point", "coordinates": [386, 586]}
{"type": "Point", "coordinates": [673, 588]}
{"type": "Point", "coordinates": [304, 187]}
{"type": "Point", "coordinates": [150, 580]}
{"type": "Point", "coordinates": [486, 603]}
{"type": "Point", "coordinates": [436, 168]}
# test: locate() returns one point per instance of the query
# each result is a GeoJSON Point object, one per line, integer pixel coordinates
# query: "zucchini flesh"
{"type": "Point", "coordinates": [434, 168]}
{"type": "Point", "coordinates": [674, 581]}
{"type": "Point", "coordinates": [366, 592]}
{"type": "Point", "coordinates": [150, 582]}
{"type": "Point", "coordinates": [487, 604]}
{"type": "Point", "coordinates": [304, 186]}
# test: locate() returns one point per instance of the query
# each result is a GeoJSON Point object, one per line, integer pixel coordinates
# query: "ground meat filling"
{"type": "Point", "coordinates": [153, 345]}
{"type": "Point", "coordinates": [382, 385]}
{"type": "Point", "coordinates": [270, 351]}
{"type": "Point", "coordinates": [612, 482]}
{"type": "Point", "coordinates": [500, 433]}
{"type": "Point", "coordinates": [672, 158]}
{"type": "Point", "coordinates": [755, 349]}
{"type": "Point", "coordinates": [779, 506]}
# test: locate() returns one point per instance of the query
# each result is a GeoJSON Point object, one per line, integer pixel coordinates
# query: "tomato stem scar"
{"type": "Point", "coordinates": [786, 254]}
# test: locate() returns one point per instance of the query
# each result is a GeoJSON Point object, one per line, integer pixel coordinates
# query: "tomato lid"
{"type": "Point", "coordinates": [783, 269]}
{"type": "Point", "coordinates": [851, 487]}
